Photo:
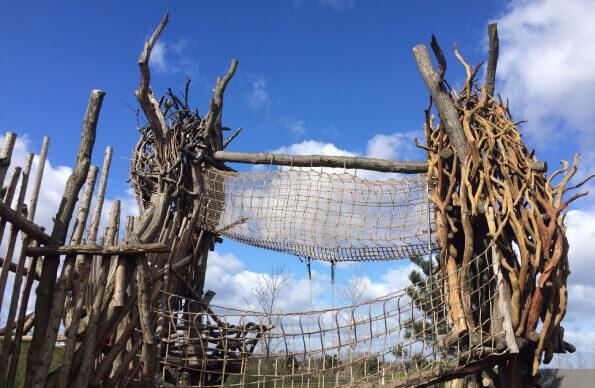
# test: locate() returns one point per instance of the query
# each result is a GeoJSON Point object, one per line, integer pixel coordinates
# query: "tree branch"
{"type": "Point", "coordinates": [444, 104]}
{"type": "Point", "coordinates": [145, 95]}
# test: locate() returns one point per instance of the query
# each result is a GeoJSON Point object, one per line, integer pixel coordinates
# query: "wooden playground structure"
{"type": "Point", "coordinates": [129, 307]}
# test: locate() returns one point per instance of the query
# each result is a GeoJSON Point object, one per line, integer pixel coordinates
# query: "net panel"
{"type": "Point", "coordinates": [402, 339]}
{"type": "Point", "coordinates": [320, 215]}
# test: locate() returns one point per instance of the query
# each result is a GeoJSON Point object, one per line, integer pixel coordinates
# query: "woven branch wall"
{"type": "Point", "coordinates": [320, 215]}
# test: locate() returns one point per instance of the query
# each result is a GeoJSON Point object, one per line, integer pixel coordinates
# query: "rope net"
{"type": "Point", "coordinates": [402, 339]}
{"type": "Point", "coordinates": [320, 215]}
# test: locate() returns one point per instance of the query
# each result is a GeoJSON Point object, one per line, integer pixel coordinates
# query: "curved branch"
{"type": "Point", "coordinates": [145, 95]}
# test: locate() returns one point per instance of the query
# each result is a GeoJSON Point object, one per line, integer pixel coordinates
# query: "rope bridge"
{"type": "Point", "coordinates": [402, 339]}
{"type": "Point", "coordinates": [320, 215]}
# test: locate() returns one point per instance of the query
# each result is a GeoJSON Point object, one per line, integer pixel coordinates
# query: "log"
{"type": "Point", "coordinates": [351, 162]}
{"type": "Point", "coordinates": [107, 250]}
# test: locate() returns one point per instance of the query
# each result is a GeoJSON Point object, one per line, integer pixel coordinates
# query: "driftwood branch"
{"type": "Point", "coordinates": [492, 58]}
{"type": "Point", "coordinates": [144, 94]}
{"type": "Point", "coordinates": [446, 109]}
{"type": "Point", "coordinates": [111, 250]}
{"type": "Point", "coordinates": [353, 162]}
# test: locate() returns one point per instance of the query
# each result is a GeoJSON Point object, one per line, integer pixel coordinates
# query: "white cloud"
{"type": "Point", "coordinates": [296, 127]}
{"type": "Point", "coordinates": [157, 59]}
{"type": "Point", "coordinates": [233, 284]}
{"type": "Point", "coordinates": [313, 147]}
{"type": "Point", "coordinates": [546, 68]}
{"type": "Point", "coordinates": [170, 58]}
{"type": "Point", "coordinates": [337, 5]}
{"type": "Point", "coordinates": [398, 146]}
{"type": "Point", "coordinates": [258, 97]}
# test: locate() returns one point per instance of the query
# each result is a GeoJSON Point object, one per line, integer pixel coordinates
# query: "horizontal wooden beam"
{"type": "Point", "coordinates": [12, 267]}
{"type": "Point", "coordinates": [110, 250]}
{"type": "Point", "coordinates": [21, 222]}
{"type": "Point", "coordinates": [351, 162]}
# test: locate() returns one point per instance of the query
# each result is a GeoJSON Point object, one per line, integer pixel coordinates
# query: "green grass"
{"type": "Point", "coordinates": [20, 377]}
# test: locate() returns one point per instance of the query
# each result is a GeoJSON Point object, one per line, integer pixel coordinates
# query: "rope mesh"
{"type": "Point", "coordinates": [319, 215]}
{"type": "Point", "coordinates": [402, 339]}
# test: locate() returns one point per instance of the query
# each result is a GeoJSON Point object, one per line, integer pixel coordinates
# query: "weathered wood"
{"type": "Point", "coordinates": [89, 342]}
{"type": "Point", "coordinates": [23, 325]}
{"type": "Point", "coordinates": [145, 95]}
{"type": "Point", "coordinates": [6, 154]}
{"type": "Point", "coordinates": [448, 113]}
{"type": "Point", "coordinates": [19, 270]}
{"type": "Point", "coordinates": [11, 327]}
{"type": "Point", "coordinates": [13, 234]}
{"type": "Point", "coordinates": [8, 197]}
{"type": "Point", "coordinates": [24, 225]}
{"type": "Point", "coordinates": [492, 58]}
{"type": "Point", "coordinates": [115, 350]}
{"type": "Point", "coordinates": [214, 123]}
{"type": "Point", "coordinates": [111, 250]}
{"type": "Point", "coordinates": [94, 262]}
{"type": "Point", "coordinates": [351, 162]}
{"type": "Point", "coordinates": [12, 267]}
{"type": "Point", "coordinates": [231, 138]}
{"type": "Point", "coordinates": [71, 275]}
{"type": "Point", "coordinates": [41, 347]}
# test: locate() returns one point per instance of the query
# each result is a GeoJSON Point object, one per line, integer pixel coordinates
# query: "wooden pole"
{"type": "Point", "coordinates": [106, 250]}
{"type": "Point", "coordinates": [71, 275]}
{"type": "Point", "coordinates": [8, 197]}
{"type": "Point", "coordinates": [351, 162]}
{"type": "Point", "coordinates": [492, 58]}
{"type": "Point", "coordinates": [89, 342]}
{"type": "Point", "coordinates": [41, 349]}
{"type": "Point", "coordinates": [20, 265]}
{"type": "Point", "coordinates": [21, 326]}
{"type": "Point", "coordinates": [14, 232]}
{"type": "Point", "coordinates": [6, 154]}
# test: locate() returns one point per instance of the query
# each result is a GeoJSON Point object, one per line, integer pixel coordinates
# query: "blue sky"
{"type": "Point", "coordinates": [314, 76]}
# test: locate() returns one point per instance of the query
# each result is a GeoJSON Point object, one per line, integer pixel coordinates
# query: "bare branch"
{"type": "Point", "coordinates": [144, 94]}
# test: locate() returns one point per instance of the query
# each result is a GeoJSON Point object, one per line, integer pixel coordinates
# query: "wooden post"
{"type": "Point", "coordinates": [6, 154]}
{"type": "Point", "coordinates": [13, 230]}
{"type": "Point", "coordinates": [89, 341]}
{"type": "Point", "coordinates": [71, 275]}
{"type": "Point", "coordinates": [42, 345]}
{"type": "Point", "coordinates": [16, 288]}
{"type": "Point", "coordinates": [21, 321]}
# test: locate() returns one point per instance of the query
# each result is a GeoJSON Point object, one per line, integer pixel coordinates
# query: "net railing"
{"type": "Point", "coordinates": [320, 215]}
{"type": "Point", "coordinates": [402, 339]}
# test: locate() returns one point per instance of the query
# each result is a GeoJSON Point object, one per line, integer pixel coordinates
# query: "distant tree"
{"type": "Point", "coordinates": [266, 292]}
